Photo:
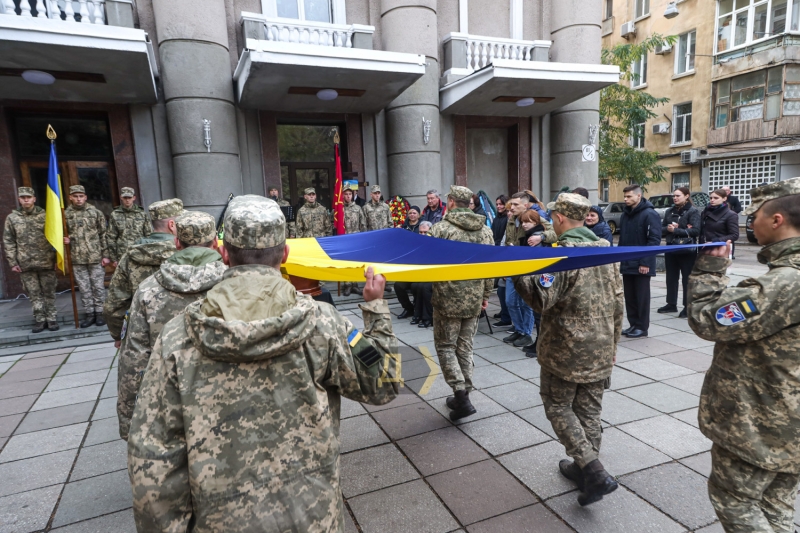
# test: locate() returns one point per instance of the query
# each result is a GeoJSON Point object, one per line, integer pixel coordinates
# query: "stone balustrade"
{"type": "Point", "coordinates": [473, 52]}
{"type": "Point", "coordinates": [285, 30]}
{"type": "Point", "coordinates": [80, 11]}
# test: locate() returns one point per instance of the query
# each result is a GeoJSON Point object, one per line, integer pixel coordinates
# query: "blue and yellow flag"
{"type": "Point", "coordinates": [53, 222]}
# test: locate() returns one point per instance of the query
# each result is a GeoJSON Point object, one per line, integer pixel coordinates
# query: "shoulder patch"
{"type": "Point", "coordinates": [546, 280]}
{"type": "Point", "coordinates": [730, 314]}
{"type": "Point", "coordinates": [748, 308]}
{"type": "Point", "coordinates": [362, 349]}
{"type": "Point", "coordinates": [124, 325]}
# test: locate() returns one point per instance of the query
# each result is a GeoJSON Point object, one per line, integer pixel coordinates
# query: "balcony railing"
{"type": "Point", "coordinates": [81, 11]}
{"type": "Point", "coordinates": [285, 30]}
{"type": "Point", "coordinates": [474, 52]}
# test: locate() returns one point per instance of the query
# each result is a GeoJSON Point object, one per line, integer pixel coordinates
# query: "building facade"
{"type": "Point", "coordinates": [203, 98]}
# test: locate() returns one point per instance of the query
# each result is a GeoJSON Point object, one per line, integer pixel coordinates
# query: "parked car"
{"type": "Point", "coordinates": [612, 213]}
{"type": "Point", "coordinates": [662, 202]}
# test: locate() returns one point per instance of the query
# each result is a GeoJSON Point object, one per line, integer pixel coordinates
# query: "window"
{"type": "Point", "coordinates": [684, 59]}
{"type": "Point", "coordinates": [314, 10]}
{"type": "Point", "coordinates": [642, 8]}
{"type": "Point", "coordinates": [639, 72]}
{"type": "Point", "coordinates": [604, 188]}
{"type": "Point", "coordinates": [791, 98]}
{"type": "Point", "coordinates": [608, 9]}
{"type": "Point", "coordinates": [682, 120]}
{"type": "Point", "coordinates": [637, 136]}
{"type": "Point", "coordinates": [741, 22]}
{"type": "Point", "coordinates": [752, 96]}
{"type": "Point", "coordinates": [742, 174]}
{"type": "Point", "coordinates": [680, 179]}
{"type": "Point", "coordinates": [617, 208]}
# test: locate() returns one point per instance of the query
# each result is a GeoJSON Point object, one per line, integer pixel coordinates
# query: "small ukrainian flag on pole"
{"type": "Point", "coordinates": [54, 207]}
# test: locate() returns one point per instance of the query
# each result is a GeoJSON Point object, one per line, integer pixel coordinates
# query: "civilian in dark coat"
{"type": "Point", "coordinates": [412, 219]}
{"type": "Point", "coordinates": [640, 225]}
{"type": "Point", "coordinates": [682, 224]}
{"type": "Point", "coordinates": [499, 231]}
{"type": "Point", "coordinates": [596, 222]}
{"type": "Point", "coordinates": [733, 202]}
{"type": "Point", "coordinates": [435, 210]}
{"type": "Point", "coordinates": [475, 205]}
{"type": "Point", "coordinates": [719, 223]}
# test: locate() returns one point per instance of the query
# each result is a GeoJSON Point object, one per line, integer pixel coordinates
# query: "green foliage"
{"type": "Point", "coordinates": [621, 110]}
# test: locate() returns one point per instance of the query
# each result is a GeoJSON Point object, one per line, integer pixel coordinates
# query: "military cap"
{"type": "Point", "coordinates": [25, 191]}
{"type": "Point", "coordinates": [195, 227]}
{"type": "Point", "coordinates": [457, 192]}
{"type": "Point", "coordinates": [127, 192]}
{"type": "Point", "coordinates": [375, 188]}
{"type": "Point", "coordinates": [75, 189]}
{"type": "Point", "coordinates": [166, 209]}
{"type": "Point", "coordinates": [310, 190]}
{"type": "Point", "coordinates": [571, 205]}
{"type": "Point", "coordinates": [760, 195]}
{"type": "Point", "coordinates": [254, 222]}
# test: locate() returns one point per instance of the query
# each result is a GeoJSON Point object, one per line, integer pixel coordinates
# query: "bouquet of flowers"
{"type": "Point", "coordinates": [399, 207]}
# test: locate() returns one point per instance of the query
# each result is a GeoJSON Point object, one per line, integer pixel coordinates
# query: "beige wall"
{"type": "Point", "coordinates": [662, 82]}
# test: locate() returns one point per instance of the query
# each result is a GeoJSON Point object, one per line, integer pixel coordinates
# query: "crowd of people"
{"type": "Point", "coordinates": [230, 380]}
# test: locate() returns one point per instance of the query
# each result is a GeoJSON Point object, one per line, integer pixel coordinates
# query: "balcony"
{"type": "Point", "coordinates": [286, 63]}
{"type": "Point", "coordinates": [508, 77]}
{"type": "Point", "coordinates": [83, 58]}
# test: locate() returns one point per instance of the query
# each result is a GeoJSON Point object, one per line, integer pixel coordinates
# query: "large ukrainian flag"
{"type": "Point", "coordinates": [53, 222]}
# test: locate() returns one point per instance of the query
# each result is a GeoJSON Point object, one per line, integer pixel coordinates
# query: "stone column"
{"type": "Point", "coordinates": [414, 167]}
{"type": "Point", "coordinates": [196, 75]}
{"type": "Point", "coordinates": [575, 32]}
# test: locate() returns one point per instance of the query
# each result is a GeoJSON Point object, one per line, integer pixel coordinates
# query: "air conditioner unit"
{"type": "Point", "coordinates": [661, 129]}
{"type": "Point", "coordinates": [663, 49]}
{"type": "Point", "coordinates": [689, 157]}
{"type": "Point", "coordinates": [628, 29]}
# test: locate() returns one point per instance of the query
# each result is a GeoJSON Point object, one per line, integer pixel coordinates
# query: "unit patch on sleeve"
{"type": "Point", "coordinates": [362, 349]}
{"type": "Point", "coordinates": [546, 280]}
{"type": "Point", "coordinates": [730, 314]}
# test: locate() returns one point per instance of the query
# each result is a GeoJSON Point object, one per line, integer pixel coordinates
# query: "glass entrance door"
{"type": "Point", "coordinates": [307, 160]}
{"type": "Point", "coordinates": [97, 177]}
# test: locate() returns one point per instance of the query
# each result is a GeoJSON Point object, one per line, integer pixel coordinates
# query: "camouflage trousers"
{"type": "Point", "coordinates": [41, 288]}
{"type": "Point", "coordinates": [90, 280]}
{"type": "Point", "coordinates": [453, 339]}
{"type": "Point", "coordinates": [748, 498]}
{"type": "Point", "coordinates": [574, 411]}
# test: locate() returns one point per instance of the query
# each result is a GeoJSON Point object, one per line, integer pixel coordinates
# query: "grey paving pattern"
{"type": "Point", "coordinates": [405, 466]}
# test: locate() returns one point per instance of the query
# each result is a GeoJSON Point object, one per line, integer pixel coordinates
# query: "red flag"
{"type": "Point", "coordinates": [338, 206]}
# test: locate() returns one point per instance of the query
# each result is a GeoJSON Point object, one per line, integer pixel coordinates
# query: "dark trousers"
{"type": "Point", "coordinates": [637, 300]}
{"type": "Point", "coordinates": [423, 305]}
{"type": "Point", "coordinates": [679, 265]}
{"type": "Point", "coordinates": [504, 314]}
{"type": "Point", "coordinates": [403, 289]}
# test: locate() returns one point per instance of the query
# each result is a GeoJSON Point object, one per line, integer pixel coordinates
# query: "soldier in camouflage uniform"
{"type": "Point", "coordinates": [378, 214]}
{"type": "Point", "coordinates": [29, 253]}
{"type": "Point", "coordinates": [183, 278]}
{"type": "Point", "coordinates": [581, 325]}
{"type": "Point", "coordinates": [313, 219]}
{"type": "Point", "coordinates": [140, 262]}
{"type": "Point", "coordinates": [127, 224]}
{"type": "Point", "coordinates": [749, 405]}
{"type": "Point", "coordinates": [458, 304]}
{"type": "Point", "coordinates": [86, 226]}
{"type": "Point", "coordinates": [291, 229]}
{"type": "Point", "coordinates": [237, 421]}
{"type": "Point", "coordinates": [354, 222]}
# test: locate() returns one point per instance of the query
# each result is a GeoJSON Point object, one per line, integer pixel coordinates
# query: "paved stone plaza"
{"type": "Point", "coordinates": [405, 466]}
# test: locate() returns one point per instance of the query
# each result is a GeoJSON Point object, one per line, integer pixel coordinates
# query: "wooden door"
{"type": "Point", "coordinates": [97, 177]}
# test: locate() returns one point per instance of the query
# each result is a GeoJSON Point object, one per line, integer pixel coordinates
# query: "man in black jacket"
{"type": "Point", "coordinates": [733, 202]}
{"type": "Point", "coordinates": [640, 226]}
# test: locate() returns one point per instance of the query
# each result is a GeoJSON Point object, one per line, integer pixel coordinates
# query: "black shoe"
{"type": "Point", "coordinates": [523, 340]}
{"type": "Point", "coordinates": [89, 320]}
{"type": "Point", "coordinates": [405, 314]}
{"type": "Point", "coordinates": [636, 333]}
{"type": "Point", "coordinates": [668, 309]}
{"type": "Point", "coordinates": [98, 320]}
{"type": "Point", "coordinates": [39, 327]}
{"type": "Point", "coordinates": [347, 290]}
{"type": "Point", "coordinates": [628, 330]}
{"type": "Point", "coordinates": [496, 315]}
{"type": "Point", "coordinates": [501, 324]}
{"type": "Point", "coordinates": [511, 338]}
{"type": "Point", "coordinates": [530, 350]}
{"type": "Point", "coordinates": [683, 314]}
{"type": "Point", "coordinates": [463, 407]}
{"type": "Point", "coordinates": [52, 325]}
{"type": "Point", "coordinates": [571, 471]}
{"type": "Point", "coordinates": [425, 324]}
{"type": "Point", "coordinates": [416, 320]}
{"type": "Point", "coordinates": [597, 483]}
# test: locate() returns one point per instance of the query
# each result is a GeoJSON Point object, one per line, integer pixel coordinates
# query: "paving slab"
{"type": "Point", "coordinates": [674, 489]}
{"type": "Point", "coordinates": [687, 340]}
{"type": "Point", "coordinates": [668, 435]}
{"type": "Point", "coordinates": [49, 400]}
{"type": "Point", "coordinates": [349, 408]}
{"type": "Point", "coordinates": [408, 508]}
{"type": "Point", "coordinates": [36, 472]}
{"type": "Point", "coordinates": [501, 353]}
{"type": "Point", "coordinates": [101, 459]}
{"type": "Point", "coordinates": [86, 366]}
{"type": "Point", "coordinates": [349, 525]}
{"type": "Point", "coordinates": [532, 519]}
{"type": "Point", "coordinates": [45, 353]}
{"type": "Point", "coordinates": [102, 431]}
{"type": "Point", "coordinates": [515, 396]}
{"type": "Point", "coordinates": [410, 420]}
{"type": "Point", "coordinates": [429, 390]}
{"type": "Point", "coordinates": [619, 511]}
{"type": "Point", "coordinates": [689, 416]}
{"type": "Point", "coordinates": [537, 468]}
{"type": "Point", "coordinates": [416, 369]}
{"type": "Point", "coordinates": [43, 442]}
{"type": "Point", "coordinates": [662, 397]}
{"type": "Point", "coordinates": [28, 511]}
{"type": "Point", "coordinates": [484, 341]}
{"type": "Point", "coordinates": [5, 365]}
{"type": "Point", "coordinates": [619, 409]}
{"type": "Point", "coordinates": [713, 528]}
{"type": "Point", "coordinates": [622, 379]}
{"type": "Point", "coordinates": [77, 380]}
{"type": "Point", "coordinates": [19, 404]}
{"type": "Point", "coordinates": [120, 522]}
{"type": "Point", "coordinates": [110, 389]}
{"type": "Point", "coordinates": [537, 417]}
{"type": "Point", "coordinates": [360, 432]}
{"type": "Point", "coordinates": [12, 390]}
{"type": "Point", "coordinates": [700, 463]}
{"type": "Point", "coordinates": [106, 408]}
{"type": "Point", "coordinates": [626, 354]}
{"type": "Point", "coordinates": [503, 433]}
{"type": "Point", "coordinates": [41, 362]}
{"type": "Point", "coordinates": [650, 346]}
{"type": "Point", "coordinates": [478, 361]}
{"type": "Point", "coordinates": [28, 375]}
{"type": "Point", "coordinates": [374, 469]}
{"type": "Point", "coordinates": [479, 491]}
{"type": "Point", "coordinates": [91, 355]}
{"type": "Point", "coordinates": [484, 406]}
{"type": "Point", "coordinates": [693, 383]}
{"type": "Point", "coordinates": [9, 423]}
{"type": "Point", "coordinates": [527, 368]}
{"type": "Point", "coordinates": [699, 362]}
{"type": "Point", "coordinates": [406, 397]}
{"type": "Point", "coordinates": [655, 368]}
{"type": "Point", "coordinates": [93, 497]}
{"type": "Point", "coordinates": [622, 454]}
{"type": "Point", "coordinates": [441, 450]}
{"type": "Point", "coordinates": [93, 346]}
{"type": "Point", "coordinates": [491, 376]}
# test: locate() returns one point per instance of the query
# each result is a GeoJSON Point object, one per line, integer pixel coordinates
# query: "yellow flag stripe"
{"type": "Point", "coordinates": [54, 227]}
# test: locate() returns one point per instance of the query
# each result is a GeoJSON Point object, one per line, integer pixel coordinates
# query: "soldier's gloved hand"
{"type": "Point", "coordinates": [373, 289]}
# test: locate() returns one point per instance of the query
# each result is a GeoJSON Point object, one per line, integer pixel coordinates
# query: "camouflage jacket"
{"type": "Point", "coordinates": [25, 243]}
{"type": "Point", "coordinates": [354, 219]}
{"type": "Point", "coordinates": [462, 299]}
{"type": "Point", "coordinates": [291, 229]}
{"type": "Point", "coordinates": [87, 234]}
{"type": "Point", "coordinates": [750, 404]}
{"type": "Point", "coordinates": [139, 262]}
{"type": "Point", "coordinates": [313, 221]}
{"type": "Point", "coordinates": [236, 424]}
{"type": "Point", "coordinates": [125, 227]}
{"type": "Point", "coordinates": [581, 314]}
{"type": "Point", "coordinates": [378, 216]}
{"type": "Point", "coordinates": [182, 279]}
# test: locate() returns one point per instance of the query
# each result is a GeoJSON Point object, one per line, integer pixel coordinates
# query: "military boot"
{"type": "Point", "coordinates": [463, 407]}
{"type": "Point", "coordinates": [52, 325]}
{"type": "Point", "coordinates": [89, 320]}
{"type": "Point", "coordinates": [98, 319]}
{"type": "Point", "coordinates": [596, 483]}
{"type": "Point", "coordinates": [356, 289]}
{"type": "Point", "coordinates": [571, 471]}
{"type": "Point", "coordinates": [451, 403]}
{"type": "Point", "coordinates": [347, 290]}
{"type": "Point", "coordinates": [38, 327]}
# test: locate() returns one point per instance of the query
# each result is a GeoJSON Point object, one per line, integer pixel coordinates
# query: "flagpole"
{"type": "Point", "coordinates": [51, 134]}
